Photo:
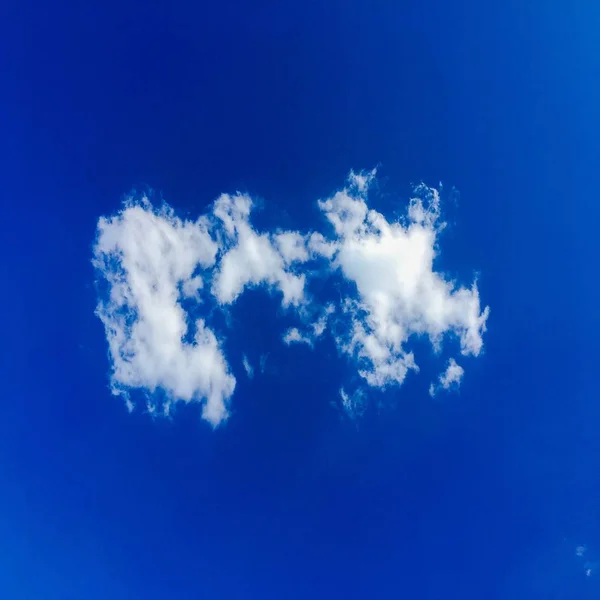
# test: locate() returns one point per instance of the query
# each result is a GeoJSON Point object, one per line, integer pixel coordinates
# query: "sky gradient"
{"type": "Point", "coordinates": [485, 491]}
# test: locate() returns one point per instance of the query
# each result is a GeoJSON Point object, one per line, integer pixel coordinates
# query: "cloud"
{"type": "Point", "coordinates": [319, 246]}
{"type": "Point", "coordinates": [398, 295]}
{"type": "Point", "coordinates": [248, 367]}
{"type": "Point", "coordinates": [163, 277]}
{"type": "Point", "coordinates": [293, 336]}
{"type": "Point", "coordinates": [319, 326]}
{"type": "Point", "coordinates": [353, 404]}
{"type": "Point", "coordinates": [150, 258]}
{"type": "Point", "coordinates": [451, 377]}
{"type": "Point", "coordinates": [312, 331]}
{"type": "Point", "coordinates": [292, 247]}
{"type": "Point", "coordinates": [252, 258]}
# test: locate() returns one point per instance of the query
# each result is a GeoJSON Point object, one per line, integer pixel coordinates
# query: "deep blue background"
{"type": "Point", "coordinates": [480, 495]}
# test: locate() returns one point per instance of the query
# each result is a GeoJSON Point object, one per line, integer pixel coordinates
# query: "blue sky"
{"type": "Point", "coordinates": [239, 123]}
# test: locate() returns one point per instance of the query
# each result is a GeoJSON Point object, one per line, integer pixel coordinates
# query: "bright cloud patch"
{"type": "Point", "coordinates": [293, 336]}
{"type": "Point", "coordinates": [451, 377]}
{"type": "Point", "coordinates": [251, 258]}
{"type": "Point", "coordinates": [149, 259]}
{"type": "Point", "coordinates": [159, 267]}
{"type": "Point", "coordinates": [399, 294]}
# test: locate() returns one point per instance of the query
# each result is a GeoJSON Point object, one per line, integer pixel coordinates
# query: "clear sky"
{"type": "Point", "coordinates": [299, 300]}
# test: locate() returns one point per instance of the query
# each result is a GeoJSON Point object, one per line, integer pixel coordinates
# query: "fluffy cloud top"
{"type": "Point", "coordinates": [252, 258]}
{"type": "Point", "coordinates": [399, 294]}
{"type": "Point", "coordinates": [155, 264]}
{"type": "Point", "coordinates": [150, 259]}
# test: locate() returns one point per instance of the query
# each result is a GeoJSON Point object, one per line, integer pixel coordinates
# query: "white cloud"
{"type": "Point", "coordinates": [292, 247]}
{"type": "Point", "coordinates": [353, 404]}
{"type": "Point", "coordinates": [346, 211]}
{"type": "Point", "coordinates": [451, 377]}
{"type": "Point", "coordinates": [398, 292]}
{"type": "Point", "coordinates": [320, 325]}
{"type": "Point", "coordinates": [149, 259]}
{"type": "Point", "coordinates": [253, 258]}
{"type": "Point", "coordinates": [248, 367]}
{"type": "Point", "coordinates": [312, 331]}
{"type": "Point", "coordinates": [155, 264]}
{"type": "Point", "coordinates": [319, 246]}
{"type": "Point", "coordinates": [293, 336]}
